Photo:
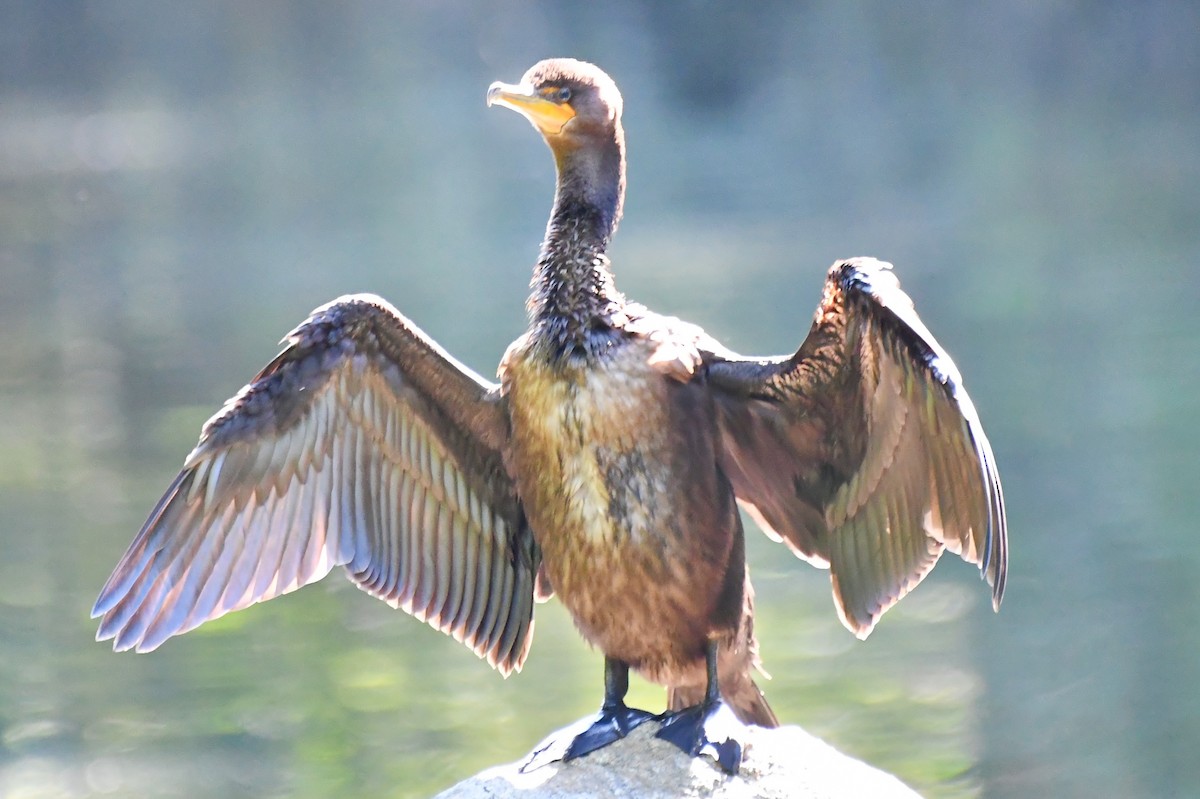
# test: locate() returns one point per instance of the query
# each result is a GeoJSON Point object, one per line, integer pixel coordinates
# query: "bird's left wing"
{"type": "Point", "coordinates": [362, 444]}
{"type": "Point", "coordinates": [862, 451]}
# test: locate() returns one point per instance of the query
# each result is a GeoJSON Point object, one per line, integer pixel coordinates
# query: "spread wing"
{"type": "Point", "coordinates": [361, 445]}
{"type": "Point", "coordinates": [862, 451]}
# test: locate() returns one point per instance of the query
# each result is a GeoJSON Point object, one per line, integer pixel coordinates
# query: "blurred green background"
{"type": "Point", "coordinates": [181, 183]}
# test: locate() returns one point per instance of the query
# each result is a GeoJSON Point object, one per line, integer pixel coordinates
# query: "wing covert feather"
{"type": "Point", "coordinates": [361, 445]}
{"type": "Point", "coordinates": [863, 451]}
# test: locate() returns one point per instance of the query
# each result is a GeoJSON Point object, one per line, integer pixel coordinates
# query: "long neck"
{"type": "Point", "coordinates": [573, 294]}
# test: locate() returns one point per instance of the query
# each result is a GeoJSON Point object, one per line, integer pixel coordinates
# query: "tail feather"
{"type": "Point", "coordinates": [745, 698]}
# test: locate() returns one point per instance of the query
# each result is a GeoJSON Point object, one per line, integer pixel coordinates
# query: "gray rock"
{"type": "Point", "coordinates": [785, 762]}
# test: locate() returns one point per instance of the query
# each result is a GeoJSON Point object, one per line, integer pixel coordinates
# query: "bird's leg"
{"type": "Point", "coordinates": [614, 721]}
{"type": "Point", "coordinates": [690, 728]}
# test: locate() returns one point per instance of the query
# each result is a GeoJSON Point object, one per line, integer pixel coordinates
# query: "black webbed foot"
{"type": "Point", "coordinates": [614, 721]}
{"type": "Point", "coordinates": [612, 724]}
{"type": "Point", "coordinates": [708, 728]}
{"type": "Point", "coordinates": [704, 730]}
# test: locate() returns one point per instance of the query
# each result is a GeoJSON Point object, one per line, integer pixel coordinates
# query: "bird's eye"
{"type": "Point", "coordinates": [564, 94]}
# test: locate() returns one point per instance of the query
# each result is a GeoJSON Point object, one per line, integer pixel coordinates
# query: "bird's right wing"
{"type": "Point", "coordinates": [862, 451]}
{"type": "Point", "coordinates": [362, 444]}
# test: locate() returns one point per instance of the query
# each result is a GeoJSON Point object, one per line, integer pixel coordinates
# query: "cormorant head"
{"type": "Point", "coordinates": [577, 109]}
{"type": "Point", "coordinates": [573, 104]}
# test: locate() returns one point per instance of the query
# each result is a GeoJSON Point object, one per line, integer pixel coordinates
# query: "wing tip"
{"type": "Point", "coordinates": [997, 577]}
{"type": "Point", "coordinates": [861, 628]}
{"type": "Point", "coordinates": [125, 646]}
{"type": "Point", "coordinates": [102, 605]}
{"type": "Point", "coordinates": [994, 565]}
{"type": "Point", "coordinates": [862, 263]}
{"type": "Point", "coordinates": [511, 659]}
{"type": "Point", "coordinates": [860, 624]}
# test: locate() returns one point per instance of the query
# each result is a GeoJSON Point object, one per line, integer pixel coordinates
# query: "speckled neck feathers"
{"type": "Point", "coordinates": [574, 302]}
{"type": "Point", "coordinates": [574, 297]}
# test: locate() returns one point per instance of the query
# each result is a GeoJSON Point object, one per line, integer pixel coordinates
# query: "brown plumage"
{"type": "Point", "coordinates": [603, 468]}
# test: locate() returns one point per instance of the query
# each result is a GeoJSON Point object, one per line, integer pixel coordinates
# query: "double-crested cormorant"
{"type": "Point", "coordinates": [604, 466]}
